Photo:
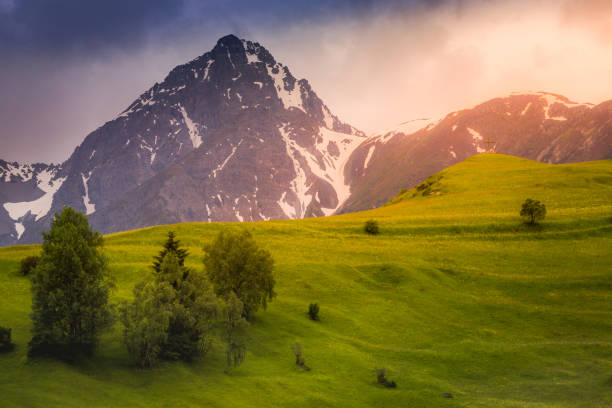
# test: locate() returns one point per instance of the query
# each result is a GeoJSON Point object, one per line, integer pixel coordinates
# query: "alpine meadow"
{"type": "Point", "coordinates": [306, 204]}
{"type": "Point", "coordinates": [462, 302]}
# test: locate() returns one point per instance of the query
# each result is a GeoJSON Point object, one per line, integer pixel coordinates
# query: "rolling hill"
{"type": "Point", "coordinates": [456, 295]}
{"type": "Point", "coordinates": [540, 126]}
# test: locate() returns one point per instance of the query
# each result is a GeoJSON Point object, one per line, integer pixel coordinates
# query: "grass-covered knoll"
{"type": "Point", "coordinates": [455, 295]}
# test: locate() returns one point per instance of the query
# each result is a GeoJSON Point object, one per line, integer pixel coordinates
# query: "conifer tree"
{"type": "Point", "coordinates": [70, 289]}
{"type": "Point", "coordinates": [171, 245]}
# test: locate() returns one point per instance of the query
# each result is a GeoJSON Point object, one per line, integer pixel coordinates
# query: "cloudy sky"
{"type": "Point", "coordinates": [67, 66]}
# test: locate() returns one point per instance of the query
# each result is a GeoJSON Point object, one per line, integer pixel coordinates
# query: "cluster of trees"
{"type": "Point", "coordinates": [176, 310]}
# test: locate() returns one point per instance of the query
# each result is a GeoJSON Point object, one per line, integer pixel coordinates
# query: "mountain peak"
{"type": "Point", "coordinates": [228, 40]}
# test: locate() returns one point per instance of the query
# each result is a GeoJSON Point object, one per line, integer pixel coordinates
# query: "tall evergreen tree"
{"type": "Point", "coordinates": [195, 310]}
{"type": "Point", "coordinates": [171, 245]}
{"type": "Point", "coordinates": [70, 289]}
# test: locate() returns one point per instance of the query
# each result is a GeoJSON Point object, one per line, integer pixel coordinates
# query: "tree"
{"type": "Point", "coordinates": [234, 332]}
{"type": "Point", "coordinates": [171, 245]}
{"type": "Point", "coordinates": [300, 361]}
{"type": "Point", "coordinates": [381, 378]}
{"type": "Point", "coordinates": [172, 315]}
{"type": "Point", "coordinates": [195, 310]}
{"type": "Point", "coordinates": [371, 227]}
{"type": "Point", "coordinates": [533, 211]}
{"type": "Point", "coordinates": [236, 265]}
{"type": "Point", "coordinates": [28, 264]}
{"type": "Point", "coordinates": [313, 311]}
{"type": "Point", "coordinates": [6, 343]}
{"type": "Point", "coordinates": [146, 320]}
{"type": "Point", "coordinates": [70, 289]}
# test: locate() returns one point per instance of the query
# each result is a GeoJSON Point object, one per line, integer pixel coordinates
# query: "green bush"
{"type": "Point", "coordinates": [6, 343]}
{"type": "Point", "coordinates": [299, 357]}
{"type": "Point", "coordinates": [371, 227]}
{"type": "Point", "coordinates": [28, 264]}
{"type": "Point", "coordinates": [313, 311]}
{"type": "Point", "coordinates": [381, 378]}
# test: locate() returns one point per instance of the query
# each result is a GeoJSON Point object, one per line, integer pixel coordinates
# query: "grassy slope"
{"type": "Point", "coordinates": [455, 295]}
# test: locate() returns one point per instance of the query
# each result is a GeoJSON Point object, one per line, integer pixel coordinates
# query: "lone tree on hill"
{"type": "Point", "coordinates": [533, 211]}
{"type": "Point", "coordinates": [236, 265]}
{"type": "Point", "coordinates": [171, 245]}
{"type": "Point", "coordinates": [70, 289]}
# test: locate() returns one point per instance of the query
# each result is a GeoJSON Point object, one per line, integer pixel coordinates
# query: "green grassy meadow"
{"type": "Point", "coordinates": [456, 295]}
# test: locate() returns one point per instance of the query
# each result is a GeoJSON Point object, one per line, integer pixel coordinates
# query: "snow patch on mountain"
{"type": "Point", "coordinates": [476, 140]}
{"type": "Point", "coordinates": [89, 206]}
{"type": "Point", "coordinates": [227, 159]}
{"type": "Point", "coordinates": [327, 118]}
{"type": "Point", "coordinates": [369, 156]}
{"type": "Point", "coordinates": [299, 185]}
{"type": "Point", "coordinates": [20, 229]}
{"type": "Point", "coordinates": [409, 127]}
{"type": "Point", "coordinates": [526, 109]}
{"type": "Point", "coordinates": [194, 134]}
{"type": "Point", "coordinates": [291, 98]}
{"type": "Point", "coordinates": [41, 206]}
{"type": "Point", "coordinates": [326, 161]}
{"type": "Point", "coordinates": [23, 172]}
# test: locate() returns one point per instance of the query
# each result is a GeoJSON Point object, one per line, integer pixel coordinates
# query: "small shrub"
{"type": "Point", "coordinates": [28, 264]}
{"type": "Point", "coordinates": [381, 378]}
{"type": "Point", "coordinates": [299, 357]}
{"type": "Point", "coordinates": [5, 339]}
{"type": "Point", "coordinates": [313, 311]}
{"type": "Point", "coordinates": [371, 227]}
{"type": "Point", "coordinates": [533, 211]}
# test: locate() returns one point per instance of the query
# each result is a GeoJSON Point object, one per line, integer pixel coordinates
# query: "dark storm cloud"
{"type": "Point", "coordinates": [81, 26]}
{"type": "Point", "coordinates": [67, 66]}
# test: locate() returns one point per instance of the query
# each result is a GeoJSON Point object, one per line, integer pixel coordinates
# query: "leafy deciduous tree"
{"type": "Point", "coordinates": [236, 265]}
{"type": "Point", "coordinates": [533, 211]}
{"type": "Point", "coordinates": [146, 320]}
{"type": "Point", "coordinates": [234, 332]}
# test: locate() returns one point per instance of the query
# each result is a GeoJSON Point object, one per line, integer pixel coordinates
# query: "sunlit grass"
{"type": "Point", "coordinates": [455, 295]}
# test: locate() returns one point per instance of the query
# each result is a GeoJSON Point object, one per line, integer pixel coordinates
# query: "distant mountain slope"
{"type": "Point", "coordinates": [539, 126]}
{"type": "Point", "coordinates": [233, 136]}
{"type": "Point", "coordinates": [27, 192]}
{"type": "Point", "coordinates": [229, 136]}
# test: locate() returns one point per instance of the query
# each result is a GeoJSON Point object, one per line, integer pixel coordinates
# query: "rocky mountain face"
{"type": "Point", "coordinates": [229, 136]}
{"type": "Point", "coordinates": [539, 126]}
{"type": "Point", "coordinates": [234, 136]}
